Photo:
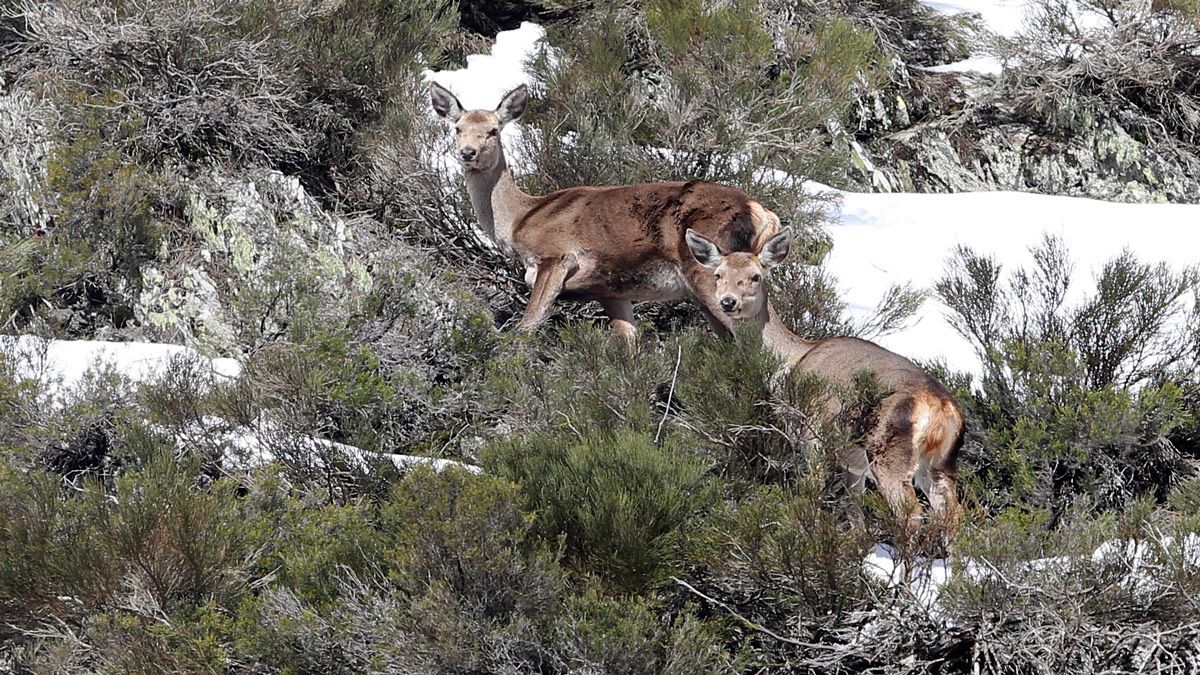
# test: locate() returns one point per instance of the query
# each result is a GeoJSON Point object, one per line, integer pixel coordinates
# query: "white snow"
{"type": "Point", "coordinates": [1007, 19]}
{"type": "Point", "coordinates": [987, 65]}
{"type": "Point", "coordinates": [924, 580]}
{"type": "Point", "coordinates": [1002, 17]}
{"type": "Point", "coordinates": [882, 239]}
{"type": "Point", "coordinates": [249, 447]}
{"type": "Point", "coordinates": [62, 364]}
{"type": "Point", "coordinates": [488, 77]}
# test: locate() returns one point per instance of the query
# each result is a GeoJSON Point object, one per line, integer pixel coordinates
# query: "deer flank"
{"type": "Point", "coordinates": [616, 244]}
{"type": "Point", "coordinates": [914, 431]}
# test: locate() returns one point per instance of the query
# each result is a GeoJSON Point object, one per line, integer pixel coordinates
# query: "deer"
{"type": "Point", "coordinates": [613, 244]}
{"type": "Point", "coordinates": [913, 433]}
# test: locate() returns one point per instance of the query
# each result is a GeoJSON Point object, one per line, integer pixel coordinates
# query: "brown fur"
{"type": "Point", "coordinates": [916, 429]}
{"type": "Point", "coordinates": [914, 432]}
{"type": "Point", "coordinates": [617, 245]}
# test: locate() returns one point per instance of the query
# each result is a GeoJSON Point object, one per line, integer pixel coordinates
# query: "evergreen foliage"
{"type": "Point", "coordinates": [670, 508]}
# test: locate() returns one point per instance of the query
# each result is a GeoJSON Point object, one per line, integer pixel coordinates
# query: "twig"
{"type": "Point", "coordinates": [670, 394]}
{"type": "Point", "coordinates": [755, 626]}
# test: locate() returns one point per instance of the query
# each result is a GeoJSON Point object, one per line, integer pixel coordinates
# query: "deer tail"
{"type": "Point", "coordinates": [937, 429]}
{"type": "Point", "coordinates": [766, 224]}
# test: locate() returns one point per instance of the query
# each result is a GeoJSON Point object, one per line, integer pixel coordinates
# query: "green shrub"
{"type": "Point", "coordinates": [466, 589]}
{"type": "Point", "coordinates": [328, 386]}
{"type": "Point", "coordinates": [1071, 401]}
{"type": "Point", "coordinates": [709, 82]}
{"type": "Point", "coordinates": [152, 536]}
{"type": "Point", "coordinates": [1067, 90]}
{"type": "Point", "coordinates": [623, 635]}
{"type": "Point", "coordinates": [467, 533]}
{"type": "Point", "coordinates": [616, 498]}
{"type": "Point", "coordinates": [781, 559]}
{"type": "Point", "coordinates": [756, 425]}
{"type": "Point", "coordinates": [1031, 591]}
{"type": "Point", "coordinates": [308, 546]}
{"type": "Point", "coordinates": [108, 219]}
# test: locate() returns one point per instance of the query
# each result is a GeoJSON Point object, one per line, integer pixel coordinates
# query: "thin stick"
{"type": "Point", "coordinates": [756, 626]}
{"type": "Point", "coordinates": [670, 394]}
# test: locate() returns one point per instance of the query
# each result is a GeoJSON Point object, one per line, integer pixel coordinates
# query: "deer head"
{"type": "Point", "coordinates": [477, 132]}
{"type": "Point", "coordinates": [739, 275]}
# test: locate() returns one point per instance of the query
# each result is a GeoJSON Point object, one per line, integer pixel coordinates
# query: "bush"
{"type": "Point", "coordinates": [1076, 399]}
{"type": "Point", "coordinates": [256, 83]}
{"type": "Point", "coordinates": [1111, 590]}
{"type": "Point", "coordinates": [623, 635]}
{"type": "Point", "coordinates": [466, 589]}
{"type": "Point", "coordinates": [616, 498]}
{"type": "Point", "coordinates": [85, 273]}
{"type": "Point", "coordinates": [150, 543]}
{"type": "Point", "coordinates": [1132, 59]}
{"type": "Point", "coordinates": [780, 558]}
{"type": "Point", "coordinates": [681, 89]}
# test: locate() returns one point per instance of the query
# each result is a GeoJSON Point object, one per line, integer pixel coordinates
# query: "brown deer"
{"type": "Point", "coordinates": [916, 429]}
{"type": "Point", "coordinates": [617, 244]}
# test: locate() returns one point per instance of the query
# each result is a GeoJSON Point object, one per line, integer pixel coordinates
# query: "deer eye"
{"type": "Point", "coordinates": [717, 274]}
{"type": "Point", "coordinates": [756, 278]}
{"type": "Point", "coordinates": [492, 132]}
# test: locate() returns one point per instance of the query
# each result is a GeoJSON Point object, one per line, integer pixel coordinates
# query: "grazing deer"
{"type": "Point", "coordinates": [913, 432]}
{"type": "Point", "coordinates": [616, 245]}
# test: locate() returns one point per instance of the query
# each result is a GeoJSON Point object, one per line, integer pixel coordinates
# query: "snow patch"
{"type": "Point", "coordinates": [61, 365]}
{"type": "Point", "coordinates": [488, 77]}
{"type": "Point", "coordinates": [924, 579]}
{"type": "Point", "coordinates": [885, 239]}
{"type": "Point", "coordinates": [248, 447]}
{"type": "Point", "coordinates": [1002, 17]}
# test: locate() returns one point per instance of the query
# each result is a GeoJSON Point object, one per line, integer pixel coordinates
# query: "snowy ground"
{"type": "Point", "coordinates": [883, 239]}
{"type": "Point", "coordinates": [60, 366]}
{"type": "Point", "coordinates": [1002, 17]}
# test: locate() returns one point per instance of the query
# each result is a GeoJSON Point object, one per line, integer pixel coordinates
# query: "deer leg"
{"type": "Point", "coordinates": [551, 275]}
{"type": "Point", "coordinates": [858, 469]}
{"type": "Point", "coordinates": [895, 481]}
{"type": "Point", "coordinates": [944, 500]}
{"type": "Point", "coordinates": [620, 313]}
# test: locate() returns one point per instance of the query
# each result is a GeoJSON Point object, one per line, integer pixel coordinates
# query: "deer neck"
{"type": "Point", "coordinates": [497, 201]}
{"type": "Point", "coordinates": [777, 337]}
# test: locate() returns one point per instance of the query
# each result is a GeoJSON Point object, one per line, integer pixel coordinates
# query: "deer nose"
{"type": "Point", "coordinates": [728, 303]}
{"type": "Point", "coordinates": [468, 154]}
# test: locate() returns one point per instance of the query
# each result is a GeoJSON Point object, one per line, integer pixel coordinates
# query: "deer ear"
{"type": "Point", "coordinates": [444, 103]}
{"type": "Point", "coordinates": [704, 251]}
{"type": "Point", "coordinates": [775, 250]}
{"type": "Point", "coordinates": [512, 105]}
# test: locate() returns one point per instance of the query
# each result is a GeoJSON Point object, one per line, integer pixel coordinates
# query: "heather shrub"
{"type": "Point", "coordinates": [1112, 591]}
{"type": "Point", "coordinates": [617, 499]}
{"type": "Point", "coordinates": [623, 634]}
{"type": "Point", "coordinates": [1076, 397]}
{"type": "Point", "coordinates": [108, 220]}
{"type": "Point", "coordinates": [459, 586]}
{"type": "Point", "coordinates": [781, 567]}
{"type": "Point", "coordinates": [1129, 58]}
